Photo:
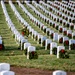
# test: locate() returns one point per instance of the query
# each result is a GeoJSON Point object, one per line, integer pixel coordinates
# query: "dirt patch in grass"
{"type": "Point", "coordinates": [33, 71]}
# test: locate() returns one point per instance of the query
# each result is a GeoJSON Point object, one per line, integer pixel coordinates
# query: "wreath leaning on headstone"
{"type": "Point", "coordinates": [63, 54]}
{"type": "Point", "coordinates": [25, 32]}
{"type": "Point", "coordinates": [33, 55]}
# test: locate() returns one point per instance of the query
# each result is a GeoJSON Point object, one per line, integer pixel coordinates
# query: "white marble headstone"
{"type": "Point", "coordinates": [22, 43]}
{"type": "Point", "coordinates": [47, 29]}
{"type": "Point", "coordinates": [64, 29]}
{"type": "Point", "coordinates": [39, 37]}
{"type": "Point", "coordinates": [59, 72]}
{"type": "Point", "coordinates": [60, 27]}
{"type": "Point", "coordinates": [7, 73]}
{"type": "Point", "coordinates": [44, 27]}
{"type": "Point", "coordinates": [71, 41]}
{"type": "Point", "coordinates": [26, 45]}
{"type": "Point", "coordinates": [41, 26]}
{"type": "Point", "coordinates": [4, 67]}
{"type": "Point", "coordinates": [69, 32]}
{"type": "Point", "coordinates": [35, 33]}
{"type": "Point", "coordinates": [58, 49]}
{"type": "Point", "coordinates": [73, 34]}
{"type": "Point", "coordinates": [59, 36]}
{"type": "Point", "coordinates": [51, 31]}
{"type": "Point", "coordinates": [47, 42]}
{"type": "Point", "coordinates": [55, 37]}
{"type": "Point", "coordinates": [0, 41]}
{"type": "Point", "coordinates": [52, 45]}
{"type": "Point", "coordinates": [30, 49]}
{"type": "Point", "coordinates": [65, 38]}
{"type": "Point", "coordinates": [42, 39]}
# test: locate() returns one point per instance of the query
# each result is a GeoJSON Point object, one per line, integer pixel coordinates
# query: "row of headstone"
{"type": "Point", "coordinates": [61, 40]}
{"type": "Point", "coordinates": [26, 46]}
{"type": "Point", "coordinates": [63, 29]}
{"type": "Point", "coordinates": [29, 49]}
{"type": "Point", "coordinates": [71, 3]}
{"type": "Point", "coordinates": [62, 14]}
{"type": "Point", "coordinates": [33, 32]}
{"type": "Point", "coordinates": [18, 37]}
{"type": "Point", "coordinates": [65, 4]}
{"type": "Point", "coordinates": [69, 19]}
{"type": "Point", "coordinates": [65, 23]}
{"type": "Point", "coordinates": [51, 46]}
{"type": "Point", "coordinates": [62, 4]}
{"type": "Point", "coordinates": [62, 7]}
{"type": "Point", "coordinates": [36, 34]}
{"type": "Point", "coordinates": [71, 25]}
{"type": "Point", "coordinates": [54, 49]}
{"type": "Point", "coordinates": [28, 27]}
{"type": "Point", "coordinates": [5, 69]}
{"type": "Point", "coordinates": [69, 13]}
{"type": "Point", "coordinates": [21, 20]}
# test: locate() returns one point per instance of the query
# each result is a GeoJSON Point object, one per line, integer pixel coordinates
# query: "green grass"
{"type": "Point", "coordinates": [16, 57]}
{"type": "Point", "coordinates": [9, 41]}
{"type": "Point", "coordinates": [46, 62]}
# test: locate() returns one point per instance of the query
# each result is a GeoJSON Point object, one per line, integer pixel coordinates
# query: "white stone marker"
{"type": "Point", "coordinates": [59, 36]}
{"type": "Point", "coordinates": [65, 38]}
{"type": "Point", "coordinates": [53, 44]}
{"type": "Point", "coordinates": [58, 49]}
{"type": "Point", "coordinates": [30, 49]}
{"type": "Point", "coordinates": [22, 43]}
{"type": "Point", "coordinates": [59, 72]}
{"type": "Point", "coordinates": [26, 45]}
{"type": "Point", "coordinates": [4, 67]}
{"type": "Point", "coordinates": [71, 41]}
{"type": "Point", "coordinates": [47, 42]}
{"type": "Point", "coordinates": [55, 38]}
{"type": "Point", "coordinates": [7, 73]}
{"type": "Point", "coordinates": [43, 38]}
{"type": "Point", "coordinates": [0, 41]}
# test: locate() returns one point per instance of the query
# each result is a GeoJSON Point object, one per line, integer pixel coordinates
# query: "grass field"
{"type": "Point", "coordinates": [16, 57]}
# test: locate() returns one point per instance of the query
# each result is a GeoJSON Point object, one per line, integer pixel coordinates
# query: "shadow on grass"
{"type": "Point", "coordinates": [11, 48]}
{"type": "Point", "coordinates": [10, 51]}
{"type": "Point", "coordinates": [40, 48]}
